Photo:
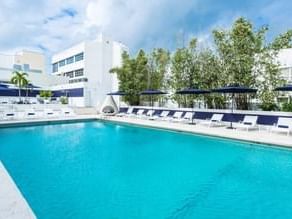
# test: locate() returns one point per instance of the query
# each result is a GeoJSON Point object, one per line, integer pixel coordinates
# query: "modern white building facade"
{"type": "Point", "coordinates": [285, 61]}
{"type": "Point", "coordinates": [33, 63]}
{"type": "Point", "coordinates": [87, 66]}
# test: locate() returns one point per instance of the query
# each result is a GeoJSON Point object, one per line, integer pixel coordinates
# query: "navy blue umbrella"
{"type": "Point", "coordinates": [5, 91]}
{"type": "Point", "coordinates": [31, 86]}
{"type": "Point", "coordinates": [287, 87]}
{"type": "Point", "coordinates": [151, 93]}
{"type": "Point", "coordinates": [4, 88]}
{"type": "Point", "coordinates": [117, 93]}
{"type": "Point", "coordinates": [234, 89]}
{"type": "Point", "coordinates": [3, 85]}
{"type": "Point", "coordinates": [192, 91]}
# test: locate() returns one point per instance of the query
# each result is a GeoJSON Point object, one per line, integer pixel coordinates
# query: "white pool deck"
{"type": "Point", "coordinates": [13, 204]}
{"type": "Point", "coordinates": [262, 136]}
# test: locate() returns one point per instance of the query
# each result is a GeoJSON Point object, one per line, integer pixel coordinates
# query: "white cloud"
{"type": "Point", "coordinates": [34, 24]}
{"type": "Point", "coordinates": [153, 23]}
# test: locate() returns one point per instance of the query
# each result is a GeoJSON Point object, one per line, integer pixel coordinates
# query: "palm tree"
{"type": "Point", "coordinates": [20, 80]}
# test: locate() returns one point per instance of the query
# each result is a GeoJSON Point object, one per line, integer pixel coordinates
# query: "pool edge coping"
{"type": "Point", "coordinates": [156, 126]}
{"type": "Point", "coordinates": [139, 123]}
{"type": "Point", "coordinates": [20, 208]}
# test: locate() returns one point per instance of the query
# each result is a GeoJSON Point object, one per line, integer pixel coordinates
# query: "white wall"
{"type": "Point", "coordinates": [35, 60]}
{"type": "Point", "coordinates": [100, 56]}
{"type": "Point", "coordinates": [285, 57]}
{"type": "Point", "coordinates": [74, 50]}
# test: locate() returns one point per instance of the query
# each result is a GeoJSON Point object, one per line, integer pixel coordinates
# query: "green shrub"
{"type": "Point", "coordinates": [287, 107]}
{"type": "Point", "coordinates": [46, 94]}
{"type": "Point", "coordinates": [64, 100]}
{"type": "Point", "coordinates": [269, 107]}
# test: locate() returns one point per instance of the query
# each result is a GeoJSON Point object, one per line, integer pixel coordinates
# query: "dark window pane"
{"type": "Point", "coordinates": [70, 60]}
{"type": "Point", "coordinates": [79, 57]}
{"type": "Point", "coordinates": [55, 67]}
{"type": "Point", "coordinates": [79, 73]}
{"type": "Point", "coordinates": [62, 63]}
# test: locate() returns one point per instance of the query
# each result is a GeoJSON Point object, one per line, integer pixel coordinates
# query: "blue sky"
{"type": "Point", "coordinates": [50, 26]}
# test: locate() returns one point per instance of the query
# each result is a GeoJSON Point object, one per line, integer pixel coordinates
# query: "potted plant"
{"type": "Point", "coordinates": [64, 100]}
{"type": "Point", "coordinates": [46, 95]}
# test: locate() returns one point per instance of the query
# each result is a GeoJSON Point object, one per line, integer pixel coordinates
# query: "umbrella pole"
{"type": "Point", "coordinates": [193, 113]}
{"type": "Point", "coordinates": [151, 102]}
{"type": "Point", "coordinates": [119, 104]}
{"type": "Point", "coordinates": [152, 105]}
{"type": "Point", "coordinates": [232, 104]}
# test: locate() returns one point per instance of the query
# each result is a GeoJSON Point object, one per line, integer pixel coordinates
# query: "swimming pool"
{"type": "Point", "coordinates": [112, 171]}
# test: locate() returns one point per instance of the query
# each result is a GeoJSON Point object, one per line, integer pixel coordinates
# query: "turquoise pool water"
{"type": "Point", "coordinates": [109, 171]}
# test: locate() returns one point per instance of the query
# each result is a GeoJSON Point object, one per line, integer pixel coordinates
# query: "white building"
{"type": "Point", "coordinates": [87, 67]}
{"type": "Point", "coordinates": [285, 60]}
{"type": "Point", "coordinates": [33, 63]}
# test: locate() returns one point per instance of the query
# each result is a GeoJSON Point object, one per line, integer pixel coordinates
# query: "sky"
{"type": "Point", "coordinates": [49, 26]}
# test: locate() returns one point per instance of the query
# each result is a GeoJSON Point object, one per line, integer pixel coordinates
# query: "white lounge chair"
{"type": "Point", "coordinates": [9, 115]}
{"type": "Point", "coordinates": [49, 113]}
{"type": "Point", "coordinates": [162, 116]}
{"type": "Point", "coordinates": [30, 114]}
{"type": "Point", "coordinates": [149, 114]}
{"type": "Point", "coordinates": [67, 112]}
{"type": "Point", "coordinates": [139, 113]}
{"type": "Point", "coordinates": [176, 116]}
{"type": "Point", "coordinates": [186, 118]}
{"type": "Point", "coordinates": [284, 124]}
{"type": "Point", "coordinates": [129, 112]}
{"type": "Point", "coordinates": [248, 123]}
{"type": "Point", "coordinates": [216, 120]}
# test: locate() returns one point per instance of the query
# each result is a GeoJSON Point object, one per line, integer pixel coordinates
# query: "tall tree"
{"type": "Point", "coordinates": [158, 65]}
{"type": "Point", "coordinates": [184, 71]}
{"type": "Point", "coordinates": [211, 76]}
{"type": "Point", "coordinates": [283, 41]}
{"type": "Point", "coordinates": [158, 69]}
{"type": "Point", "coordinates": [249, 60]}
{"type": "Point", "coordinates": [20, 80]}
{"type": "Point", "coordinates": [132, 76]}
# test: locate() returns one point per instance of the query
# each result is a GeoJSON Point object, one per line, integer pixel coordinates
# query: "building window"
{"type": "Point", "coordinates": [26, 67]}
{"type": "Point", "coordinates": [62, 63]}
{"type": "Point", "coordinates": [70, 60]}
{"type": "Point", "coordinates": [69, 74]}
{"type": "Point", "coordinates": [55, 67]}
{"type": "Point", "coordinates": [79, 73]}
{"type": "Point", "coordinates": [79, 57]}
{"type": "Point", "coordinates": [17, 67]}
{"type": "Point", "coordinates": [78, 80]}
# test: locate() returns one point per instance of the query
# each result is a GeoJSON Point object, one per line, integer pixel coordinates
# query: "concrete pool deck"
{"type": "Point", "coordinates": [261, 136]}
{"type": "Point", "coordinates": [12, 203]}
{"type": "Point", "coordinates": [46, 121]}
